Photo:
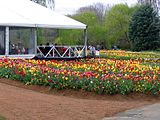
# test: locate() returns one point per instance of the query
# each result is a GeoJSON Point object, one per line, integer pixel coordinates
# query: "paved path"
{"type": "Point", "coordinates": [150, 112]}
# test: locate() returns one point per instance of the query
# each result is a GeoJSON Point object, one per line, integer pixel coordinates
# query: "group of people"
{"type": "Point", "coordinates": [94, 51]}
{"type": "Point", "coordinates": [46, 50]}
{"type": "Point", "coordinates": [17, 49]}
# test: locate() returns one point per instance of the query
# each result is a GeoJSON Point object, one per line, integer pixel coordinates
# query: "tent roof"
{"type": "Point", "coordinates": [27, 13]}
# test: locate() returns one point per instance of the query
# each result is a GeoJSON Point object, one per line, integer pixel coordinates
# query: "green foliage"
{"type": "Point", "coordinates": [144, 29]}
{"type": "Point", "coordinates": [117, 22]}
{"type": "Point", "coordinates": [40, 36]}
{"type": "Point", "coordinates": [96, 32]}
{"type": "Point", "coordinates": [70, 37]}
{"type": "Point", "coordinates": [111, 29]}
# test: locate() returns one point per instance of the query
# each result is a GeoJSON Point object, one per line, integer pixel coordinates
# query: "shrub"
{"type": "Point", "coordinates": [144, 29]}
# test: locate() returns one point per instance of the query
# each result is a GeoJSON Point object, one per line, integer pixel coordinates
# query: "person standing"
{"type": "Point", "coordinates": [93, 50]}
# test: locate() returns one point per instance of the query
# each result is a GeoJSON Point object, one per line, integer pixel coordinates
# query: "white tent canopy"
{"type": "Point", "coordinates": [30, 14]}
{"type": "Point", "coordinates": [17, 14]}
{"type": "Point", "coordinates": [8, 18]}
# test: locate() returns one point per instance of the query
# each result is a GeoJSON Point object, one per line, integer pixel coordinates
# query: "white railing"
{"type": "Point", "coordinates": [58, 51]}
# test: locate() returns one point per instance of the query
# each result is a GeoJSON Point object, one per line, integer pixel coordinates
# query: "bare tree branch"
{"type": "Point", "coordinates": [47, 3]}
{"type": "Point", "coordinates": [99, 9]}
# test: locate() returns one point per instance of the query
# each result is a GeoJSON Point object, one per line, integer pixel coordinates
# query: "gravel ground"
{"type": "Point", "coordinates": [20, 102]}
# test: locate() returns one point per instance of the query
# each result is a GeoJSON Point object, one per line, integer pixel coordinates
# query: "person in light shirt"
{"type": "Point", "coordinates": [92, 50]}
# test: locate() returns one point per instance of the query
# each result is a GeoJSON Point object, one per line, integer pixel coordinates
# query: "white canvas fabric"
{"type": "Point", "coordinates": [28, 13]}
{"type": "Point", "coordinates": [9, 18]}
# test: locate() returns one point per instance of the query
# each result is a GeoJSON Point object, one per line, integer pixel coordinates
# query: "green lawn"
{"type": "Point", "coordinates": [2, 118]}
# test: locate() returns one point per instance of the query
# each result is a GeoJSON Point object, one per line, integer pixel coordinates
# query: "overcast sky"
{"type": "Point", "coordinates": [70, 6]}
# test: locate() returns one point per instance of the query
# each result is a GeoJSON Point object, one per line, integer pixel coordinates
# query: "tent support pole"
{"type": "Point", "coordinates": [35, 40]}
{"type": "Point", "coordinates": [7, 41]}
{"type": "Point", "coordinates": [85, 42]}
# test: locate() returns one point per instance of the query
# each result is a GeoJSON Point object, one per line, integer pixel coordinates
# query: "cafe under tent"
{"type": "Point", "coordinates": [19, 21]}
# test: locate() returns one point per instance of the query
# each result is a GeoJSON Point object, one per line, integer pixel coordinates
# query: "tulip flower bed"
{"type": "Point", "coordinates": [121, 54]}
{"type": "Point", "coordinates": [104, 76]}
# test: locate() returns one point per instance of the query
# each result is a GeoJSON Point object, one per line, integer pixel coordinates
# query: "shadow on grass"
{"type": "Point", "coordinates": [2, 118]}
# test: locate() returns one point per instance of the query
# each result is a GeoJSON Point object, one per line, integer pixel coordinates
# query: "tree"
{"type": "Point", "coordinates": [75, 37]}
{"type": "Point", "coordinates": [50, 4]}
{"type": "Point", "coordinates": [47, 3]}
{"type": "Point", "coordinates": [117, 22]}
{"type": "Point", "coordinates": [144, 29]}
{"type": "Point", "coordinates": [46, 35]}
{"type": "Point", "coordinates": [99, 9]}
{"type": "Point", "coordinates": [154, 3]}
{"type": "Point", "coordinates": [96, 27]}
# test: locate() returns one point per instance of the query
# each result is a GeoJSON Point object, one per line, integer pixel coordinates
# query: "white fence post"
{"type": "Point", "coordinates": [7, 41]}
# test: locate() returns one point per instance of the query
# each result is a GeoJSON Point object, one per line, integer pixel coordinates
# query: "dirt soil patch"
{"type": "Point", "coordinates": [21, 102]}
